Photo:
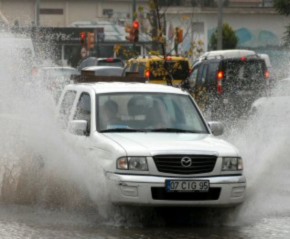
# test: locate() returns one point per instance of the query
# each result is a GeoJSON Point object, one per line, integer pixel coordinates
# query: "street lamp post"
{"type": "Point", "coordinates": [37, 3]}
{"type": "Point", "coordinates": [220, 26]}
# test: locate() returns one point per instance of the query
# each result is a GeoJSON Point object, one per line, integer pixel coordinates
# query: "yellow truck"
{"type": "Point", "coordinates": [159, 69]}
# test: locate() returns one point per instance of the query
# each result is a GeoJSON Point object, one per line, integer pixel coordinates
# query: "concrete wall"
{"type": "Point", "coordinates": [254, 29]}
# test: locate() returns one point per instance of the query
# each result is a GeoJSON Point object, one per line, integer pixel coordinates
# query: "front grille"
{"type": "Point", "coordinates": [159, 193]}
{"type": "Point", "coordinates": [172, 164]}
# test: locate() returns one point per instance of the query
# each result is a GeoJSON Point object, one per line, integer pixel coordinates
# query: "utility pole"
{"type": "Point", "coordinates": [37, 3]}
{"type": "Point", "coordinates": [220, 26]}
{"type": "Point", "coordinates": [133, 19]}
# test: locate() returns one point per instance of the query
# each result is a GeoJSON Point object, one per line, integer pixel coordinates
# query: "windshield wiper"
{"type": "Point", "coordinates": [121, 130]}
{"type": "Point", "coordinates": [175, 130]}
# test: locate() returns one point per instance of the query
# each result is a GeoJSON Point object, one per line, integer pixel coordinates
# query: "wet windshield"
{"type": "Point", "coordinates": [150, 112]}
{"type": "Point", "coordinates": [244, 74]}
{"type": "Point", "coordinates": [177, 69]}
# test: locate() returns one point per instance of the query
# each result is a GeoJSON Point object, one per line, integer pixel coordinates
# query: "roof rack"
{"type": "Point", "coordinates": [91, 78]}
{"type": "Point", "coordinates": [223, 54]}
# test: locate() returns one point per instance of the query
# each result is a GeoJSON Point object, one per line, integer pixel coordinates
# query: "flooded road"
{"type": "Point", "coordinates": [31, 222]}
{"type": "Point", "coordinates": [51, 190]}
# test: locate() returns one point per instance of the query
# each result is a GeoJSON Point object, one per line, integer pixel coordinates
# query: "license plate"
{"type": "Point", "coordinates": [187, 185]}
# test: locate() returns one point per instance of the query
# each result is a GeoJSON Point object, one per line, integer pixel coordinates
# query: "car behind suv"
{"type": "Point", "coordinates": [153, 144]}
{"type": "Point", "coordinates": [94, 61]}
{"type": "Point", "coordinates": [225, 83]}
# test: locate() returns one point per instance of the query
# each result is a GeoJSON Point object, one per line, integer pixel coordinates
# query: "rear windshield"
{"type": "Point", "coordinates": [178, 70]}
{"type": "Point", "coordinates": [244, 74]}
{"type": "Point", "coordinates": [110, 62]}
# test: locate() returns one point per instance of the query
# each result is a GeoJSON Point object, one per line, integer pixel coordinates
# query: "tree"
{"type": "Point", "coordinates": [230, 39]}
{"type": "Point", "coordinates": [283, 8]}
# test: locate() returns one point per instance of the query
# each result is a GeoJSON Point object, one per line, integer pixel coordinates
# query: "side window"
{"type": "Point", "coordinates": [83, 110]}
{"type": "Point", "coordinates": [141, 69]}
{"type": "Point", "coordinates": [133, 67]}
{"type": "Point", "coordinates": [65, 108]}
{"type": "Point", "coordinates": [193, 77]}
{"type": "Point", "coordinates": [204, 74]}
{"type": "Point", "coordinates": [212, 73]}
{"type": "Point", "coordinates": [200, 76]}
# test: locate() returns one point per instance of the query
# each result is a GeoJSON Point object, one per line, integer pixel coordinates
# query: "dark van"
{"type": "Point", "coordinates": [226, 84]}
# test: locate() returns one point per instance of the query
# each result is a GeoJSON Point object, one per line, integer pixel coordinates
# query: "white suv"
{"type": "Point", "coordinates": [154, 145]}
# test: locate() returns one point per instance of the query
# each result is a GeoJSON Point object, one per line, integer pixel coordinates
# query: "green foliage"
{"type": "Point", "coordinates": [283, 8]}
{"type": "Point", "coordinates": [230, 39]}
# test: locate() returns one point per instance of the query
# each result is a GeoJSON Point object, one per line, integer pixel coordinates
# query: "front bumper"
{"type": "Point", "coordinates": [146, 190]}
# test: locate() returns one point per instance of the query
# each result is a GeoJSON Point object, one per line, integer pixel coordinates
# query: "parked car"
{"type": "Point", "coordinates": [54, 78]}
{"type": "Point", "coordinates": [153, 144]}
{"type": "Point", "coordinates": [94, 61]}
{"type": "Point", "coordinates": [102, 71]}
{"type": "Point", "coordinates": [277, 101]}
{"type": "Point", "coordinates": [225, 83]}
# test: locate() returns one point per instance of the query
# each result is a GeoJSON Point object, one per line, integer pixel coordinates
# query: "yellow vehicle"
{"type": "Point", "coordinates": [160, 69]}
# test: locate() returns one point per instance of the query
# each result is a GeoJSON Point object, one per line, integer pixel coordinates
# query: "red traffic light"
{"type": "Point", "coordinates": [83, 36]}
{"type": "Point", "coordinates": [136, 25]}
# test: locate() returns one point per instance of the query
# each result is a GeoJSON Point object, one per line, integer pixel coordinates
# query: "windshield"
{"type": "Point", "coordinates": [179, 70]}
{"type": "Point", "coordinates": [244, 74]}
{"type": "Point", "coordinates": [150, 112]}
{"type": "Point", "coordinates": [110, 62]}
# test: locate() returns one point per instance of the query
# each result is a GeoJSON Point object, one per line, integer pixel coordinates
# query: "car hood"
{"type": "Point", "coordinates": [179, 143]}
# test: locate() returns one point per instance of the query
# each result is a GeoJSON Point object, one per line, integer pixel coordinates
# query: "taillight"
{"type": "Point", "coordinates": [267, 74]}
{"type": "Point", "coordinates": [244, 58]}
{"type": "Point", "coordinates": [147, 74]}
{"type": "Point", "coordinates": [110, 60]}
{"type": "Point", "coordinates": [220, 77]}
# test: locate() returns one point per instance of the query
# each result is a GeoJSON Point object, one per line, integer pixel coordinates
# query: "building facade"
{"type": "Point", "coordinates": [255, 22]}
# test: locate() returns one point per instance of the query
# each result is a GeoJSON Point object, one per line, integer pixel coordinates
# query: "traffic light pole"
{"type": "Point", "coordinates": [133, 19]}
{"type": "Point", "coordinates": [37, 3]}
{"type": "Point", "coordinates": [220, 26]}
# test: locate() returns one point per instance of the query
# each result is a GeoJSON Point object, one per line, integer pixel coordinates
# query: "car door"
{"type": "Point", "coordinates": [201, 94]}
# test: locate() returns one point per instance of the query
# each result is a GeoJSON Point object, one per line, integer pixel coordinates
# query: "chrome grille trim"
{"type": "Point", "coordinates": [172, 164]}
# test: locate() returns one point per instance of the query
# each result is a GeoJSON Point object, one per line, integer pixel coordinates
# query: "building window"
{"type": "Point", "coordinates": [108, 12]}
{"type": "Point", "coordinates": [163, 3]}
{"type": "Point", "coordinates": [51, 11]}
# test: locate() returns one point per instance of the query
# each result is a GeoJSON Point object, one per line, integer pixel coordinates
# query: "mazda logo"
{"type": "Point", "coordinates": [186, 162]}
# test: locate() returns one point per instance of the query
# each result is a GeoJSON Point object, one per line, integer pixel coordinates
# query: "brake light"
{"type": "Point", "coordinates": [109, 59]}
{"type": "Point", "coordinates": [147, 74]}
{"type": "Point", "coordinates": [220, 77]}
{"type": "Point", "coordinates": [267, 74]}
{"type": "Point", "coordinates": [169, 58]}
{"type": "Point", "coordinates": [244, 58]}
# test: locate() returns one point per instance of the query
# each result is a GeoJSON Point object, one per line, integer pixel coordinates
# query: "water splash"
{"type": "Point", "coordinates": [39, 164]}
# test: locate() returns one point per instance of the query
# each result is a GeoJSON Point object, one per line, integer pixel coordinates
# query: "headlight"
{"type": "Point", "coordinates": [132, 163]}
{"type": "Point", "coordinates": [232, 164]}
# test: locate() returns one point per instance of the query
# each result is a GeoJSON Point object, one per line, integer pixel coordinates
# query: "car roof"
{"type": "Point", "coordinates": [118, 87]}
{"type": "Point", "coordinates": [94, 68]}
{"type": "Point", "coordinates": [157, 58]}
{"type": "Point", "coordinates": [228, 53]}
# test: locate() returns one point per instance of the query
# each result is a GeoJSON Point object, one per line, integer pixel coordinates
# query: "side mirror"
{"type": "Point", "coordinates": [217, 128]}
{"type": "Point", "coordinates": [78, 127]}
